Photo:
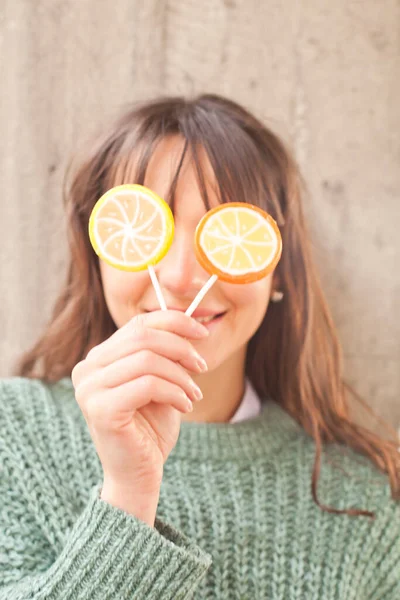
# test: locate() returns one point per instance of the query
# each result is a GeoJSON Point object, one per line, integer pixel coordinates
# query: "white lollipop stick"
{"type": "Point", "coordinates": [201, 295]}
{"type": "Point", "coordinates": [157, 288]}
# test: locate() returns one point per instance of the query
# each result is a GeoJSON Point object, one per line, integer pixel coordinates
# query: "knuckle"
{"type": "Point", "coordinates": [100, 378]}
{"type": "Point", "coordinates": [76, 373]}
{"type": "Point", "coordinates": [147, 359]}
{"type": "Point", "coordinates": [80, 396]}
{"type": "Point", "coordinates": [91, 353]}
{"type": "Point", "coordinates": [83, 390]}
{"type": "Point", "coordinates": [95, 410]}
{"type": "Point", "coordinates": [94, 354]}
{"type": "Point", "coordinates": [147, 384]}
{"type": "Point", "coordinates": [141, 334]}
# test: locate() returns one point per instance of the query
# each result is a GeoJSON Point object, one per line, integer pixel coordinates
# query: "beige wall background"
{"type": "Point", "coordinates": [323, 74]}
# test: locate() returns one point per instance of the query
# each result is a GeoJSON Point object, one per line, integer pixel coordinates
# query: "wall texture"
{"type": "Point", "coordinates": [323, 74]}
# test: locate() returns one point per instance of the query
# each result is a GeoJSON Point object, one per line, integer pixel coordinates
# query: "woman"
{"type": "Point", "coordinates": [118, 480]}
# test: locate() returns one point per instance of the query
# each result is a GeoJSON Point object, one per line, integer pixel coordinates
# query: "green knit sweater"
{"type": "Point", "coordinates": [235, 519]}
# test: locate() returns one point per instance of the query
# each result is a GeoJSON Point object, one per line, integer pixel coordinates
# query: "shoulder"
{"type": "Point", "coordinates": [45, 446]}
{"type": "Point", "coordinates": [38, 418]}
{"type": "Point", "coordinates": [347, 478]}
{"type": "Point", "coordinates": [355, 478]}
{"type": "Point", "coordinates": [350, 480]}
{"type": "Point", "coordinates": [24, 399]}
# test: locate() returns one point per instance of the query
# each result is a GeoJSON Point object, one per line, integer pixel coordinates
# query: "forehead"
{"type": "Point", "coordinates": [188, 202]}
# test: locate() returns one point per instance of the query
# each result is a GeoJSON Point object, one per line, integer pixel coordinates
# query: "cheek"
{"type": "Point", "coordinates": [123, 292]}
{"type": "Point", "coordinates": [249, 303]}
{"type": "Point", "coordinates": [251, 297]}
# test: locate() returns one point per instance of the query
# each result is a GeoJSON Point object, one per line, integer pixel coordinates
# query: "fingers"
{"type": "Point", "coordinates": [173, 321]}
{"type": "Point", "coordinates": [167, 344]}
{"type": "Point", "coordinates": [151, 352]}
{"type": "Point", "coordinates": [113, 408]}
{"type": "Point", "coordinates": [134, 366]}
{"type": "Point", "coordinates": [162, 333]}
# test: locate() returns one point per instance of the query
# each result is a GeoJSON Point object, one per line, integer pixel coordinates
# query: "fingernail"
{"type": "Point", "coordinates": [189, 406]}
{"type": "Point", "coordinates": [201, 363]}
{"type": "Point", "coordinates": [200, 329]}
{"type": "Point", "coordinates": [196, 391]}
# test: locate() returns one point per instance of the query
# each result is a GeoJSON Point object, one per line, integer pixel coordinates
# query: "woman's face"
{"type": "Point", "coordinates": [232, 312]}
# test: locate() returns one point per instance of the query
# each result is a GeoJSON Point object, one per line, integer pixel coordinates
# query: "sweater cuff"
{"type": "Point", "coordinates": [113, 554]}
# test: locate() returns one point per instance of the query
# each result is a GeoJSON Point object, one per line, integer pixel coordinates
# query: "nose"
{"type": "Point", "coordinates": [179, 273]}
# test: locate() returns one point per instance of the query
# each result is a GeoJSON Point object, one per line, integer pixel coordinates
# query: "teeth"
{"type": "Point", "coordinates": [205, 319]}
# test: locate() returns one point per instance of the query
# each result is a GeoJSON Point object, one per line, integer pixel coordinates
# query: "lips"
{"type": "Point", "coordinates": [207, 319]}
{"type": "Point", "coordinates": [202, 315]}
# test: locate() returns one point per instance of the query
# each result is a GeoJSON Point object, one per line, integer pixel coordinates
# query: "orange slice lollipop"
{"type": "Point", "coordinates": [238, 242]}
{"type": "Point", "coordinates": [131, 228]}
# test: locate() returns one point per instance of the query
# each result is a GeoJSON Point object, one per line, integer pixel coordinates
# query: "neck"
{"type": "Point", "coordinates": [222, 389]}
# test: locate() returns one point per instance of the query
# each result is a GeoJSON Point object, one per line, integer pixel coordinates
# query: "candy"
{"type": "Point", "coordinates": [131, 228]}
{"type": "Point", "coordinates": [237, 243]}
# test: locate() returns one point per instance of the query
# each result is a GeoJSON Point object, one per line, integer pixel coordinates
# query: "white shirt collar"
{"type": "Point", "coordinates": [250, 405]}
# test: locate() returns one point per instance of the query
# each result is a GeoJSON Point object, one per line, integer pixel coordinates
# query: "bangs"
{"type": "Point", "coordinates": [240, 170]}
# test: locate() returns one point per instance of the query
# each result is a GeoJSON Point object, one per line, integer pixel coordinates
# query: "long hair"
{"type": "Point", "coordinates": [295, 356]}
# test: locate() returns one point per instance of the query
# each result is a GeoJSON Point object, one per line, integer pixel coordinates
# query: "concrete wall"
{"type": "Point", "coordinates": [324, 74]}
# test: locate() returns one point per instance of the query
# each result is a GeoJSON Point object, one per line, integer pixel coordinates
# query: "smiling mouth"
{"type": "Point", "coordinates": [203, 319]}
{"type": "Point", "coordinates": [209, 318]}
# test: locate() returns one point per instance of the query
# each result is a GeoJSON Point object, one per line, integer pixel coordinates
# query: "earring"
{"type": "Point", "coordinates": [276, 296]}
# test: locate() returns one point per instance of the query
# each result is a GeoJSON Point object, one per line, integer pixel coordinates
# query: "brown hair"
{"type": "Point", "coordinates": [295, 356]}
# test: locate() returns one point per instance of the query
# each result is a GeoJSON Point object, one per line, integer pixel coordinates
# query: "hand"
{"type": "Point", "coordinates": [131, 389]}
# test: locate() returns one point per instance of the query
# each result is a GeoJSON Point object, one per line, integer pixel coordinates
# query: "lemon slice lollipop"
{"type": "Point", "coordinates": [238, 243]}
{"type": "Point", "coordinates": [131, 228]}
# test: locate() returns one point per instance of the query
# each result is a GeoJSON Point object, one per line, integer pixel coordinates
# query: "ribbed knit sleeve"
{"type": "Point", "coordinates": [108, 554]}
{"type": "Point", "coordinates": [103, 553]}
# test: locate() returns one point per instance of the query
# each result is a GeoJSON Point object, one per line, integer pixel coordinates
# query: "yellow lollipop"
{"type": "Point", "coordinates": [132, 228]}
